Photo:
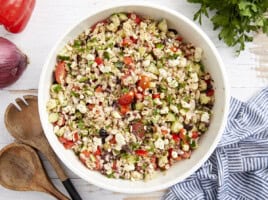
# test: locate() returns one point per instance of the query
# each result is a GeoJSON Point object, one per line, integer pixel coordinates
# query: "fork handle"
{"type": "Point", "coordinates": [71, 190]}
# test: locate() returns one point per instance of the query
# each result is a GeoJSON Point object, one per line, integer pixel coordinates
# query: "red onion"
{"type": "Point", "coordinates": [12, 62]}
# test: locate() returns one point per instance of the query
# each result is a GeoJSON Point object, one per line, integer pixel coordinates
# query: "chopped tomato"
{"type": "Point", "coordinates": [210, 92]}
{"type": "Point", "coordinates": [82, 160]}
{"type": "Point", "coordinates": [97, 163]}
{"type": "Point", "coordinates": [60, 72]}
{"type": "Point", "coordinates": [164, 131]}
{"type": "Point", "coordinates": [144, 82]}
{"type": "Point", "coordinates": [98, 151]}
{"type": "Point", "coordinates": [126, 42]}
{"type": "Point", "coordinates": [186, 154]}
{"type": "Point", "coordinates": [176, 137]}
{"type": "Point", "coordinates": [135, 17]}
{"type": "Point", "coordinates": [174, 49]}
{"type": "Point", "coordinates": [91, 106]}
{"type": "Point", "coordinates": [138, 129]}
{"type": "Point", "coordinates": [114, 167]}
{"type": "Point", "coordinates": [98, 60]}
{"type": "Point", "coordinates": [170, 152]}
{"type": "Point", "coordinates": [141, 152]}
{"type": "Point", "coordinates": [195, 134]}
{"type": "Point", "coordinates": [156, 96]}
{"type": "Point", "coordinates": [98, 89]}
{"type": "Point", "coordinates": [179, 38]}
{"type": "Point", "coordinates": [68, 145]}
{"type": "Point", "coordinates": [127, 98]}
{"type": "Point", "coordinates": [182, 135]}
{"type": "Point", "coordinates": [63, 139]}
{"type": "Point", "coordinates": [94, 26]}
{"type": "Point", "coordinates": [86, 153]}
{"type": "Point", "coordinates": [124, 109]}
{"type": "Point", "coordinates": [178, 158]}
{"type": "Point", "coordinates": [75, 137]}
{"type": "Point", "coordinates": [153, 161]}
{"type": "Point", "coordinates": [128, 60]}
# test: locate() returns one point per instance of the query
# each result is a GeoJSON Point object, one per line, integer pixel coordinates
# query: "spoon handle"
{"type": "Point", "coordinates": [61, 174]}
{"type": "Point", "coordinates": [71, 190]}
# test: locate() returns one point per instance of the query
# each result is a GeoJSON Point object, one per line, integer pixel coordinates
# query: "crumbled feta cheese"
{"type": "Point", "coordinates": [52, 103]}
{"type": "Point", "coordinates": [159, 143]}
{"type": "Point", "coordinates": [90, 57]}
{"type": "Point", "coordinates": [183, 62]}
{"type": "Point", "coordinates": [120, 139]}
{"type": "Point", "coordinates": [97, 141]}
{"type": "Point", "coordinates": [174, 62]}
{"type": "Point", "coordinates": [174, 154]}
{"type": "Point", "coordinates": [164, 110]}
{"type": "Point", "coordinates": [105, 69]}
{"type": "Point", "coordinates": [174, 108]}
{"type": "Point", "coordinates": [163, 73]}
{"type": "Point", "coordinates": [198, 54]}
{"type": "Point", "coordinates": [185, 104]}
{"type": "Point", "coordinates": [82, 108]}
{"type": "Point", "coordinates": [146, 63]}
{"type": "Point", "coordinates": [205, 117]}
{"type": "Point", "coordinates": [194, 77]}
{"type": "Point", "coordinates": [116, 115]}
{"type": "Point", "coordinates": [129, 167]}
{"type": "Point", "coordinates": [185, 147]}
{"type": "Point", "coordinates": [173, 83]}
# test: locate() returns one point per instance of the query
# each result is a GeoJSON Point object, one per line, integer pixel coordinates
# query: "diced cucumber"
{"type": "Point", "coordinates": [162, 25]}
{"type": "Point", "coordinates": [122, 16]}
{"type": "Point", "coordinates": [115, 19]}
{"type": "Point", "coordinates": [202, 85]}
{"type": "Point", "coordinates": [170, 117]}
{"type": "Point", "coordinates": [159, 46]}
{"type": "Point", "coordinates": [155, 119]}
{"type": "Point", "coordinates": [53, 117]}
{"type": "Point", "coordinates": [153, 69]}
{"type": "Point", "coordinates": [83, 79]}
{"type": "Point", "coordinates": [176, 126]}
{"type": "Point", "coordinates": [52, 103]}
{"type": "Point", "coordinates": [204, 99]}
{"type": "Point", "coordinates": [139, 106]}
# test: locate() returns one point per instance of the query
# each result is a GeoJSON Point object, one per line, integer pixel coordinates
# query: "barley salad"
{"type": "Point", "coordinates": [130, 97]}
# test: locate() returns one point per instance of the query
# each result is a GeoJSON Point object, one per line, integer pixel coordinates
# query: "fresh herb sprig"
{"type": "Point", "coordinates": [237, 20]}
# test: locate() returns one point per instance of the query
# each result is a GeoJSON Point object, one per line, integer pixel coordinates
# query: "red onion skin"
{"type": "Point", "coordinates": [12, 63]}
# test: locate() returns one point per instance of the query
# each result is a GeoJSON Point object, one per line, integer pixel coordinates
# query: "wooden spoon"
{"type": "Point", "coordinates": [21, 169]}
{"type": "Point", "coordinates": [24, 125]}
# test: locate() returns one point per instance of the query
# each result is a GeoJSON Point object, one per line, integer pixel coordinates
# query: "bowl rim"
{"type": "Point", "coordinates": [201, 161]}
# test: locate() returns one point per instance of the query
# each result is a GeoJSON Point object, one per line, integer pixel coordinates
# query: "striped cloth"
{"type": "Point", "coordinates": [238, 168]}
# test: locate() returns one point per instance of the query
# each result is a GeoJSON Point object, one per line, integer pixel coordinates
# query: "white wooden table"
{"type": "Point", "coordinates": [247, 74]}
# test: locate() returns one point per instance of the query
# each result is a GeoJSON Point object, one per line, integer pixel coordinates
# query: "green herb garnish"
{"type": "Point", "coordinates": [237, 20]}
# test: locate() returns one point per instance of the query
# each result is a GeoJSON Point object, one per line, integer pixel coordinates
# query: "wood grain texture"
{"type": "Point", "coordinates": [247, 74]}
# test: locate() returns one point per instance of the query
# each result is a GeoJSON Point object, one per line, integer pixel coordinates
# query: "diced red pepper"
{"type": "Point", "coordinates": [195, 134]}
{"type": "Point", "coordinates": [133, 40]}
{"type": "Point", "coordinates": [210, 92]}
{"type": "Point", "coordinates": [141, 152]}
{"type": "Point", "coordinates": [94, 25]}
{"type": "Point", "coordinates": [153, 161]}
{"type": "Point", "coordinates": [124, 109]}
{"type": "Point", "coordinates": [128, 60]}
{"type": "Point", "coordinates": [135, 17]}
{"type": "Point", "coordinates": [127, 98]}
{"type": "Point", "coordinates": [179, 38]}
{"type": "Point", "coordinates": [176, 137]}
{"type": "Point", "coordinates": [113, 140]}
{"type": "Point", "coordinates": [156, 96]}
{"type": "Point", "coordinates": [60, 72]}
{"type": "Point", "coordinates": [98, 60]}
{"type": "Point", "coordinates": [182, 135]}
{"type": "Point", "coordinates": [97, 163]}
{"type": "Point", "coordinates": [98, 151]}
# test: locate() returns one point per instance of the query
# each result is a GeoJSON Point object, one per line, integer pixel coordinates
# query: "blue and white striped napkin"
{"type": "Point", "coordinates": [238, 168]}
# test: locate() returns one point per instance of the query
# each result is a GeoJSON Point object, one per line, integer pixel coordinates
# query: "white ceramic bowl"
{"type": "Point", "coordinates": [208, 143]}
